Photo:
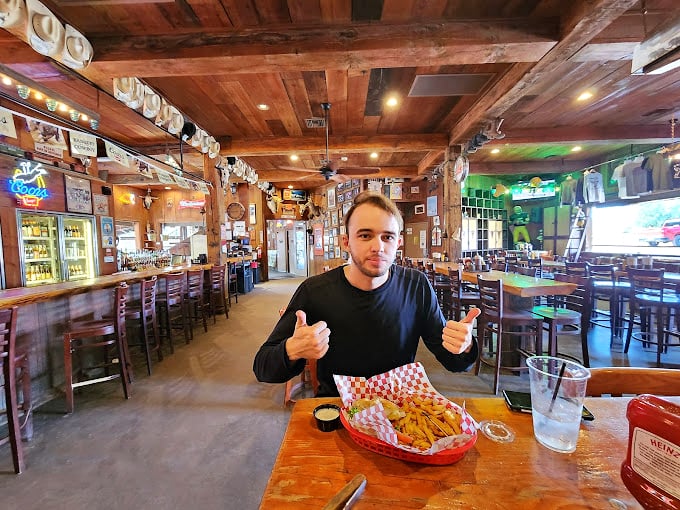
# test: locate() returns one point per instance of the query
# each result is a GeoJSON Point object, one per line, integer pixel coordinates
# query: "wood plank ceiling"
{"type": "Point", "coordinates": [217, 60]}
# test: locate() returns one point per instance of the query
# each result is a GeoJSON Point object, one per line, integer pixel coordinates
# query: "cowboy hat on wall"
{"type": "Point", "coordinates": [77, 52]}
{"type": "Point", "coordinates": [44, 32]}
{"type": "Point", "coordinates": [12, 13]}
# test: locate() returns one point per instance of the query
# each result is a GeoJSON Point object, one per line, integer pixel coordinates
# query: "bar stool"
{"type": "Point", "coordinates": [570, 310]}
{"type": "Point", "coordinates": [195, 300]}
{"type": "Point", "coordinates": [144, 311]}
{"type": "Point", "coordinates": [15, 374]}
{"type": "Point", "coordinates": [111, 334]}
{"type": "Point", "coordinates": [171, 310]}
{"type": "Point", "coordinates": [496, 319]}
{"type": "Point", "coordinates": [216, 292]}
{"type": "Point", "coordinates": [232, 283]}
{"type": "Point", "coordinates": [649, 298]}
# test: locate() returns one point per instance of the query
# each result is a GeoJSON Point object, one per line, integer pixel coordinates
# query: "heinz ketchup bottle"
{"type": "Point", "coordinates": [651, 471]}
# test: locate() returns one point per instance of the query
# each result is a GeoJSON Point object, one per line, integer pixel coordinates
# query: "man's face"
{"type": "Point", "coordinates": [372, 240]}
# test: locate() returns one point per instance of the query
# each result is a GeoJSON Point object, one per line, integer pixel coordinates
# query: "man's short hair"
{"type": "Point", "coordinates": [377, 200]}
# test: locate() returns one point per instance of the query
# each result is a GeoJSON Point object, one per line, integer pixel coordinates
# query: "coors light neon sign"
{"type": "Point", "coordinates": [28, 184]}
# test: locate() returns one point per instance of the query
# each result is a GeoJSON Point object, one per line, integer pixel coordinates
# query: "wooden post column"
{"type": "Point", "coordinates": [453, 218]}
{"type": "Point", "coordinates": [214, 210]}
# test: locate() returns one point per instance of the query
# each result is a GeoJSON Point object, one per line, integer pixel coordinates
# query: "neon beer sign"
{"type": "Point", "coordinates": [28, 184]}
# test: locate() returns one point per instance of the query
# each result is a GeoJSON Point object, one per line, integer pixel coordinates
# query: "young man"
{"type": "Point", "coordinates": [366, 317]}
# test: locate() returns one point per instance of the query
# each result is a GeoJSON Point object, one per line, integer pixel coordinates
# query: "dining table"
{"type": "Point", "coordinates": [312, 466]}
{"type": "Point", "coordinates": [514, 284]}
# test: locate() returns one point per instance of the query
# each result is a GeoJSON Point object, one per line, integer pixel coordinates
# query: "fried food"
{"type": "Point", "coordinates": [419, 422]}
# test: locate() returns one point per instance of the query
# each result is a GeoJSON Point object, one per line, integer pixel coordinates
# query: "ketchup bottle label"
{"type": "Point", "coordinates": [657, 460]}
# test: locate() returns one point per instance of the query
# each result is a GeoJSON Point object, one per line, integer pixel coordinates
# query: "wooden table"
{"type": "Point", "coordinates": [312, 466]}
{"type": "Point", "coordinates": [515, 284]}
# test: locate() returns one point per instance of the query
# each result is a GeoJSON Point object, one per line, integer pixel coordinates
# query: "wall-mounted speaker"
{"type": "Point", "coordinates": [106, 190]}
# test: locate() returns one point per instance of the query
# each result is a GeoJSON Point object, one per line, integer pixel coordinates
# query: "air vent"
{"type": "Point", "coordinates": [658, 112]}
{"type": "Point", "coordinates": [428, 85]}
{"type": "Point", "coordinates": [316, 122]}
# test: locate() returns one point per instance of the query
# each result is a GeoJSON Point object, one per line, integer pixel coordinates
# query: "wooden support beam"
{"type": "Point", "coordinates": [281, 145]}
{"type": "Point", "coordinates": [584, 20]}
{"type": "Point", "coordinates": [300, 48]}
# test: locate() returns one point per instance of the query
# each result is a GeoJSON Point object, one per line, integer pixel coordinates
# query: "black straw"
{"type": "Point", "coordinates": [557, 387]}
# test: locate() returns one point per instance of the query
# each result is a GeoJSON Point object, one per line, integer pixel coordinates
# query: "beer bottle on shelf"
{"type": "Point", "coordinates": [36, 229]}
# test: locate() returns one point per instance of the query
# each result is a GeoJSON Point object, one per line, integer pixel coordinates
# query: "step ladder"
{"type": "Point", "coordinates": [577, 234]}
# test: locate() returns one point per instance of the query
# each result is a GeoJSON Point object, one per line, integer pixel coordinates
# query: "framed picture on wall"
{"type": "Point", "coordinates": [78, 194]}
{"type": "Point", "coordinates": [330, 198]}
{"type": "Point", "coordinates": [334, 218]}
{"type": "Point", "coordinates": [341, 197]}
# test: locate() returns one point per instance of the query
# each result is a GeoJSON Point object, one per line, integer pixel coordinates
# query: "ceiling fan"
{"type": "Point", "coordinates": [332, 169]}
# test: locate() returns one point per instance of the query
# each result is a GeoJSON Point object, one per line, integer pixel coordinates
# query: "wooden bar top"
{"type": "Point", "coordinates": [516, 284]}
{"type": "Point", "coordinates": [28, 295]}
{"type": "Point", "coordinates": [312, 466]}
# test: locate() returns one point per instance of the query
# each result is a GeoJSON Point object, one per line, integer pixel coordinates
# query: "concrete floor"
{"type": "Point", "coordinates": [200, 432]}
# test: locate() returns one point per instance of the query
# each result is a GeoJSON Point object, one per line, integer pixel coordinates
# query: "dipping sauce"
{"type": "Point", "coordinates": [327, 414]}
{"type": "Point", "coordinates": [327, 417]}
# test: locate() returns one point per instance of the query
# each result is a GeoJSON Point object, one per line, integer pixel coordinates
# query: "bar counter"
{"type": "Point", "coordinates": [46, 310]}
{"type": "Point", "coordinates": [28, 295]}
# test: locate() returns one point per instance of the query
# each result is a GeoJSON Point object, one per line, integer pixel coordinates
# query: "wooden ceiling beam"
{"type": "Point", "coordinates": [583, 20]}
{"type": "Point", "coordinates": [282, 145]}
{"type": "Point", "coordinates": [660, 134]}
{"type": "Point", "coordinates": [300, 48]}
{"type": "Point", "coordinates": [528, 167]}
{"type": "Point", "coordinates": [386, 171]}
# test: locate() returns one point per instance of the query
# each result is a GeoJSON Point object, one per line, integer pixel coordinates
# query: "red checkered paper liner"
{"type": "Point", "coordinates": [398, 385]}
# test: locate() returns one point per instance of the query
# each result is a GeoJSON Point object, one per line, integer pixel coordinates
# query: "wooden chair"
{"type": "Point", "coordinates": [460, 300]}
{"type": "Point", "coordinates": [495, 319]}
{"type": "Point", "coordinates": [576, 268]}
{"type": "Point", "coordinates": [570, 310]}
{"type": "Point", "coordinates": [619, 381]}
{"type": "Point", "coordinates": [216, 292]}
{"type": "Point", "coordinates": [308, 375]}
{"type": "Point", "coordinates": [111, 339]}
{"type": "Point", "coordinates": [171, 310]}
{"type": "Point", "coordinates": [15, 374]}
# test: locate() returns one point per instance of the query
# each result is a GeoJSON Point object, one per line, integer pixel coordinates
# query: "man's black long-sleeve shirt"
{"type": "Point", "coordinates": [371, 332]}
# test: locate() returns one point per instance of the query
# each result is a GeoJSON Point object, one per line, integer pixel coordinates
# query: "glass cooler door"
{"type": "Point", "coordinates": [39, 248]}
{"type": "Point", "coordinates": [79, 260]}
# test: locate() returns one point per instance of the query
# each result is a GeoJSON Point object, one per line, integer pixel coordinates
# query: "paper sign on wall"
{"type": "Point", "coordinates": [117, 154]}
{"type": "Point", "coordinates": [83, 144]}
{"type": "Point", "coordinates": [7, 123]}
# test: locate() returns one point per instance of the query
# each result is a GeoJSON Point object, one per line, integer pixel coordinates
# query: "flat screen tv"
{"type": "Point", "coordinates": [527, 191]}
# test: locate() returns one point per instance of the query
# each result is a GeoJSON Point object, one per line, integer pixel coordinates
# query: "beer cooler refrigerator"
{"type": "Point", "coordinates": [56, 247]}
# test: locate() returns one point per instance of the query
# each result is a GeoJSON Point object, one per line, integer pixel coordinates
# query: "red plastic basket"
{"type": "Point", "coordinates": [374, 444]}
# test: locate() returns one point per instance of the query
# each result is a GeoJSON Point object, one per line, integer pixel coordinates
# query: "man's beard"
{"type": "Point", "coordinates": [372, 272]}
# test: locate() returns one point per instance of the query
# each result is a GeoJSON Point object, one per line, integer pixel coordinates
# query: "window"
{"type": "Point", "coordinates": [126, 236]}
{"type": "Point", "coordinates": [651, 227]}
{"type": "Point", "coordinates": [175, 237]}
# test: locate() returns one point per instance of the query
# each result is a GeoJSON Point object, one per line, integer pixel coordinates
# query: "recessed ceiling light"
{"type": "Point", "coordinates": [38, 96]}
{"type": "Point", "coordinates": [263, 107]}
{"type": "Point", "coordinates": [290, 186]}
{"type": "Point", "coordinates": [294, 157]}
{"type": "Point", "coordinates": [392, 101]}
{"type": "Point", "coordinates": [343, 158]}
{"type": "Point", "coordinates": [584, 96]}
{"type": "Point", "coordinates": [84, 117]}
{"type": "Point", "coordinates": [495, 151]}
{"type": "Point", "coordinates": [167, 187]}
{"type": "Point", "coordinates": [577, 148]}
{"type": "Point", "coordinates": [374, 155]}
{"type": "Point", "coordinates": [63, 107]}
{"type": "Point", "coordinates": [6, 80]}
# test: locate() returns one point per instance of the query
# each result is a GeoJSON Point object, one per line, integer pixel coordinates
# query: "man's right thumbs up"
{"type": "Point", "coordinates": [301, 319]}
